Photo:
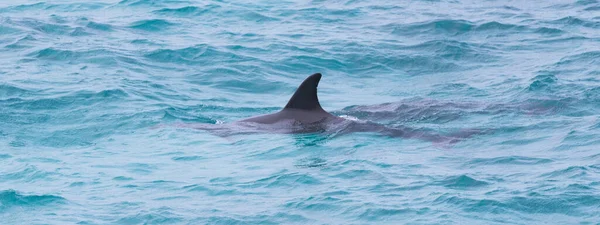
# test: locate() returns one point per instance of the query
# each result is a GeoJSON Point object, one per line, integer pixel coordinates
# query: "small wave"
{"type": "Point", "coordinates": [545, 204]}
{"type": "Point", "coordinates": [542, 82]}
{"type": "Point", "coordinates": [187, 10]}
{"type": "Point", "coordinates": [70, 7]}
{"type": "Point", "coordinates": [28, 174]}
{"type": "Point", "coordinates": [473, 205]}
{"type": "Point", "coordinates": [99, 26]}
{"type": "Point", "coordinates": [360, 174]}
{"type": "Point", "coordinates": [12, 198]}
{"type": "Point", "coordinates": [201, 55]}
{"type": "Point", "coordinates": [76, 7]}
{"type": "Point", "coordinates": [576, 139]}
{"type": "Point", "coordinates": [24, 7]}
{"type": "Point", "coordinates": [256, 17]}
{"type": "Point", "coordinates": [103, 57]}
{"type": "Point", "coordinates": [9, 91]}
{"type": "Point", "coordinates": [574, 21]}
{"type": "Point", "coordinates": [44, 27]}
{"type": "Point", "coordinates": [386, 214]}
{"type": "Point", "coordinates": [562, 40]}
{"type": "Point", "coordinates": [570, 172]}
{"type": "Point", "coordinates": [507, 160]}
{"type": "Point", "coordinates": [160, 216]}
{"type": "Point", "coordinates": [284, 180]}
{"type": "Point", "coordinates": [72, 56]}
{"type": "Point", "coordinates": [591, 94]}
{"type": "Point", "coordinates": [311, 163]}
{"type": "Point", "coordinates": [531, 204]}
{"type": "Point", "coordinates": [152, 2]}
{"type": "Point", "coordinates": [184, 115]}
{"type": "Point", "coordinates": [151, 25]}
{"type": "Point", "coordinates": [451, 27]}
{"type": "Point", "coordinates": [313, 205]}
{"type": "Point", "coordinates": [55, 54]}
{"type": "Point", "coordinates": [188, 158]}
{"type": "Point", "coordinates": [548, 31]}
{"type": "Point", "coordinates": [276, 218]}
{"type": "Point", "coordinates": [70, 99]}
{"type": "Point", "coordinates": [464, 27]}
{"type": "Point", "coordinates": [122, 178]}
{"type": "Point", "coordinates": [79, 31]}
{"type": "Point", "coordinates": [144, 42]}
{"type": "Point", "coordinates": [497, 26]}
{"type": "Point", "coordinates": [4, 30]}
{"type": "Point", "coordinates": [462, 181]}
{"type": "Point", "coordinates": [464, 89]}
{"type": "Point", "coordinates": [456, 50]}
{"type": "Point", "coordinates": [592, 8]}
{"type": "Point", "coordinates": [212, 191]}
{"type": "Point", "coordinates": [589, 58]}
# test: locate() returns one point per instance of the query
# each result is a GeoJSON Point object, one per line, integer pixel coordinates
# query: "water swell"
{"type": "Point", "coordinates": [154, 25]}
{"type": "Point", "coordinates": [28, 174]}
{"type": "Point", "coordinates": [197, 55]}
{"type": "Point", "coordinates": [10, 199]}
{"type": "Point", "coordinates": [465, 27]}
{"type": "Point", "coordinates": [99, 26]}
{"type": "Point", "coordinates": [188, 10]}
{"type": "Point", "coordinates": [507, 160]}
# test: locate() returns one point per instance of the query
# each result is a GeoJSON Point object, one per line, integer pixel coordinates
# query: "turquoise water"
{"type": "Point", "coordinates": [89, 94]}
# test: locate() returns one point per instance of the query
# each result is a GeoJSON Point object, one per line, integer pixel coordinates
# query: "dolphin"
{"type": "Point", "coordinates": [303, 114]}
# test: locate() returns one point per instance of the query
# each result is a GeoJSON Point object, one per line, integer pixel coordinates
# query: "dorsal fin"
{"type": "Point", "coordinates": [305, 97]}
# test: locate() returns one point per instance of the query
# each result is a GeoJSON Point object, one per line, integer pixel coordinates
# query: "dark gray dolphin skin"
{"type": "Point", "coordinates": [304, 114]}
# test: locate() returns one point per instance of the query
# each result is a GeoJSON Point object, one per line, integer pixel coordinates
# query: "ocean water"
{"type": "Point", "coordinates": [91, 92]}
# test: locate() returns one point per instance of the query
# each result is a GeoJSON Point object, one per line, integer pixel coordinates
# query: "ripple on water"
{"type": "Point", "coordinates": [99, 26]}
{"type": "Point", "coordinates": [4, 30]}
{"type": "Point", "coordinates": [152, 3]}
{"type": "Point", "coordinates": [456, 50]}
{"type": "Point", "coordinates": [267, 219]}
{"type": "Point", "coordinates": [213, 191]}
{"type": "Point", "coordinates": [284, 180]}
{"type": "Point", "coordinates": [155, 216]}
{"type": "Point", "coordinates": [462, 182]}
{"type": "Point", "coordinates": [319, 204]}
{"type": "Point", "coordinates": [152, 25]}
{"type": "Point", "coordinates": [28, 174]}
{"type": "Point", "coordinates": [188, 158]}
{"type": "Point", "coordinates": [43, 27]}
{"type": "Point", "coordinates": [569, 172]}
{"type": "Point", "coordinates": [12, 199]}
{"type": "Point", "coordinates": [507, 160]}
{"type": "Point", "coordinates": [70, 100]}
{"type": "Point", "coordinates": [101, 57]}
{"type": "Point", "coordinates": [386, 214]}
{"type": "Point", "coordinates": [188, 10]}
{"type": "Point", "coordinates": [200, 55]}
{"type": "Point", "coordinates": [9, 91]}
{"type": "Point", "coordinates": [572, 205]}
{"type": "Point", "coordinates": [574, 21]}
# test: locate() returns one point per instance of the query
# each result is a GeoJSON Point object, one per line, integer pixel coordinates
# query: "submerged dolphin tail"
{"type": "Point", "coordinates": [305, 97]}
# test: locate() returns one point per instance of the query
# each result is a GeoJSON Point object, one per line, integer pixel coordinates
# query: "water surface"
{"type": "Point", "coordinates": [88, 91]}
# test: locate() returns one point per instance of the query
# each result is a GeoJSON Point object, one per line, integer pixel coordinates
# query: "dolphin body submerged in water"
{"type": "Point", "coordinates": [304, 114]}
